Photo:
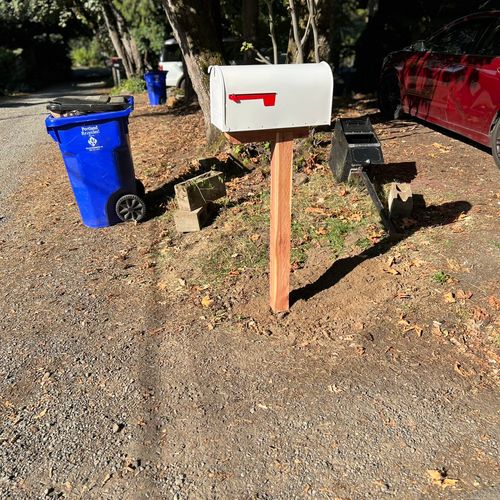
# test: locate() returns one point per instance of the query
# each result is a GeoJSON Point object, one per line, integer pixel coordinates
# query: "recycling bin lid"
{"type": "Point", "coordinates": [88, 104]}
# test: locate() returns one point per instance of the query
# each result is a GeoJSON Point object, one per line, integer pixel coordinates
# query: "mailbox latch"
{"type": "Point", "coordinates": [269, 98]}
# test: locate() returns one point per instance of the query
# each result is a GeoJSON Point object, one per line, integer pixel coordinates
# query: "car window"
{"type": "Point", "coordinates": [459, 39]}
{"type": "Point", "coordinates": [171, 53]}
{"type": "Point", "coordinates": [491, 45]}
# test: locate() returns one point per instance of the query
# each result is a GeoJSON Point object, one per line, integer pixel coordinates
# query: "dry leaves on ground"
{"type": "Point", "coordinates": [439, 478]}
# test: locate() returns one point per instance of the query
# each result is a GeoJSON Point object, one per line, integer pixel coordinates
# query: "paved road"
{"type": "Point", "coordinates": [22, 133]}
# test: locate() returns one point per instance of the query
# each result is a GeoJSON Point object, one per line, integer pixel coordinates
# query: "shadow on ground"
{"type": "Point", "coordinates": [158, 198]}
{"type": "Point", "coordinates": [432, 216]}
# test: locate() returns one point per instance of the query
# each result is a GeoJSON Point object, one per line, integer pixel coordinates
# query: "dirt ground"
{"type": "Point", "coordinates": [140, 363]}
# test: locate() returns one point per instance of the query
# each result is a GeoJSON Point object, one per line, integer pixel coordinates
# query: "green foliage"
{"type": "Point", "coordinates": [85, 52]}
{"type": "Point", "coordinates": [440, 277]}
{"type": "Point", "coordinates": [130, 86]}
{"type": "Point", "coordinates": [11, 70]}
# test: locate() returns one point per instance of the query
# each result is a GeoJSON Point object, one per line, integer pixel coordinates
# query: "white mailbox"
{"type": "Point", "coordinates": [276, 96]}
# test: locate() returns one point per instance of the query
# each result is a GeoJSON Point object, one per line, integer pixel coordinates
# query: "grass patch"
{"type": "Point", "coordinates": [129, 86]}
{"type": "Point", "coordinates": [440, 277]}
{"type": "Point", "coordinates": [363, 243]}
{"type": "Point", "coordinates": [241, 255]}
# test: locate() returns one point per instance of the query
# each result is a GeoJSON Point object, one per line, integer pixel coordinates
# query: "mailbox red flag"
{"type": "Point", "coordinates": [269, 98]}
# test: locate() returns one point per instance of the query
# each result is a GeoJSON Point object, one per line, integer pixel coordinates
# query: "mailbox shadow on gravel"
{"type": "Point", "coordinates": [431, 216]}
{"type": "Point", "coordinates": [157, 199]}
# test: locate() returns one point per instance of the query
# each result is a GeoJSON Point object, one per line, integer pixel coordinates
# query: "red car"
{"type": "Point", "coordinates": [451, 79]}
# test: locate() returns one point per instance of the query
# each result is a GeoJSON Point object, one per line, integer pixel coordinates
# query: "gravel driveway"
{"type": "Point", "coordinates": [22, 133]}
{"type": "Point", "coordinates": [113, 386]}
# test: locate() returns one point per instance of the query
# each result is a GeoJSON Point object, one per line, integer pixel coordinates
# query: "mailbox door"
{"type": "Point", "coordinates": [271, 96]}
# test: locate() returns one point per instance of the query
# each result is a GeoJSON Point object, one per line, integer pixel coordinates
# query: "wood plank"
{"type": "Point", "coordinates": [281, 214]}
{"type": "Point", "coordinates": [264, 135]}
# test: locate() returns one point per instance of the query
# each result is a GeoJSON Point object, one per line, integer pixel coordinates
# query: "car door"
{"type": "Point", "coordinates": [474, 97]}
{"type": "Point", "coordinates": [442, 66]}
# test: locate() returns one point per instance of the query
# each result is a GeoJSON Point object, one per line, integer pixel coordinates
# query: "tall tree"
{"type": "Point", "coordinates": [122, 39]}
{"type": "Point", "coordinates": [196, 27]}
{"type": "Point", "coordinates": [250, 23]}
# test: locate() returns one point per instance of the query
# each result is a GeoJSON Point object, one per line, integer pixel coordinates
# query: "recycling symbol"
{"type": "Point", "coordinates": [92, 141]}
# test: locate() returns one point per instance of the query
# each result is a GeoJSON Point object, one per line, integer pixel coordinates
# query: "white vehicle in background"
{"type": "Point", "coordinates": [171, 62]}
{"type": "Point", "coordinates": [171, 59]}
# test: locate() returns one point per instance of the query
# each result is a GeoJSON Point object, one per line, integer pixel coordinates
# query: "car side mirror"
{"type": "Point", "coordinates": [419, 46]}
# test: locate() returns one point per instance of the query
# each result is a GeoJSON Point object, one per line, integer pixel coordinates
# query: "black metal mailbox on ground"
{"type": "Point", "coordinates": [354, 144]}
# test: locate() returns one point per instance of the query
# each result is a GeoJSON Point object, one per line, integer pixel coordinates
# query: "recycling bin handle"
{"type": "Point", "coordinates": [130, 100]}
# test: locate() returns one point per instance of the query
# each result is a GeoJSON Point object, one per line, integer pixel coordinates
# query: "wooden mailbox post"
{"type": "Point", "coordinates": [275, 103]}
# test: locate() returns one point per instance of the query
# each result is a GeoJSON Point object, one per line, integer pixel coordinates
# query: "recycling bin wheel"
{"type": "Point", "coordinates": [131, 208]}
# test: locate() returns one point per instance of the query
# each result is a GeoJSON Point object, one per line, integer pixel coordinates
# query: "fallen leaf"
{"type": "Point", "coordinates": [461, 295]}
{"type": "Point", "coordinates": [343, 191]}
{"type": "Point", "coordinates": [443, 149]}
{"type": "Point", "coordinates": [446, 482]}
{"type": "Point", "coordinates": [417, 262]}
{"type": "Point", "coordinates": [255, 237]}
{"type": "Point", "coordinates": [494, 302]}
{"type": "Point", "coordinates": [462, 371]}
{"type": "Point", "coordinates": [391, 270]}
{"type": "Point", "coordinates": [334, 388]}
{"type": "Point", "coordinates": [41, 414]}
{"type": "Point", "coordinates": [418, 330]}
{"type": "Point", "coordinates": [206, 301]}
{"type": "Point", "coordinates": [479, 314]}
{"type": "Point", "coordinates": [107, 477]}
{"type": "Point", "coordinates": [436, 328]}
{"type": "Point", "coordinates": [316, 210]}
{"type": "Point", "coordinates": [439, 478]}
{"type": "Point", "coordinates": [434, 474]}
{"type": "Point", "coordinates": [449, 298]}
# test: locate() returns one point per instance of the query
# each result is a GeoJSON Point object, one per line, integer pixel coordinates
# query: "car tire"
{"type": "Point", "coordinates": [495, 143]}
{"type": "Point", "coordinates": [389, 96]}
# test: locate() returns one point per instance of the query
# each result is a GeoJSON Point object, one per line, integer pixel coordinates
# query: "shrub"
{"type": "Point", "coordinates": [85, 52]}
{"type": "Point", "coordinates": [131, 86]}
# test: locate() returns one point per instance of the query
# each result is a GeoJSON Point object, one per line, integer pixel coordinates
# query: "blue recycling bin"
{"type": "Point", "coordinates": [96, 150]}
{"type": "Point", "coordinates": [156, 85]}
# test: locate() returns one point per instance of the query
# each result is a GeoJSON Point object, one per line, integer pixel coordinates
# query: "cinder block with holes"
{"type": "Point", "coordinates": [198, 191]}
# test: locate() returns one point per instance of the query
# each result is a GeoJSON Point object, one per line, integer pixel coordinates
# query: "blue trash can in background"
{"type": "Point", "coordinates": [94, 142]}
{"type": "Point", "coordinates": [156, 85]}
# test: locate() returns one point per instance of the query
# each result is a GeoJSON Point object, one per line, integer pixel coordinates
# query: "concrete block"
{"type": "Point", "coordinates": [188, 221]}
{"type": "Point", "coordinates": [198, 191]}
{"type": "Point", "coordinates": [400, 200]}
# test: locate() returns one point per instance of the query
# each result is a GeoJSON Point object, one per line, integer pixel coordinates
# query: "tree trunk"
{"type": "Point", "coordinates": [272, 32]}
{"type": "Point", "coordinates": [250, 22]}
{"type": "Point", "coordinates": [326, 27]}
{"type": "Point", "coordinates": [195, 24]}
{"type": "Point", "coordinates": [123, 42]}
{"type": "Point", "coordinates": [295, 44]}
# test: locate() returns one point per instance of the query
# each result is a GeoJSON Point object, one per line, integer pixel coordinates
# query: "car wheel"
{"type": "Point", "coordinates": [495, 143]}
{"type": "Point", "coordinates": [389, 96]}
